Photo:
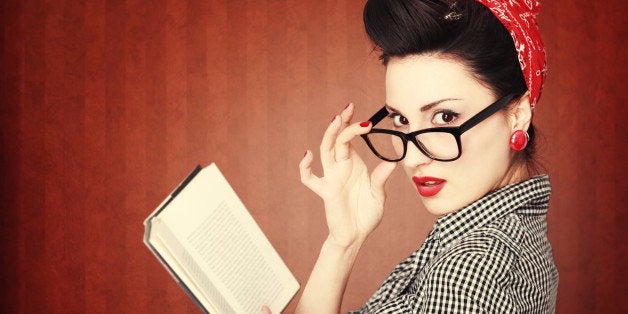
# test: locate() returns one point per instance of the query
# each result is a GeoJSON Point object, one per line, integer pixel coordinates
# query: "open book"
{"type": "Point", "coordinates": [210, 244]}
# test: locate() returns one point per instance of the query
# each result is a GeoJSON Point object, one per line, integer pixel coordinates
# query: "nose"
{"type": "Point", "coordinates": [414, 157]}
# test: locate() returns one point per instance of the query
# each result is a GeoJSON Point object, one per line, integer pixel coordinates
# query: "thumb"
{"type": "Point", "coordinates": [380, 175]}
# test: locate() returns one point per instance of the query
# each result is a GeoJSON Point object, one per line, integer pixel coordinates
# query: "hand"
{"type": "Point", "coordinates": [354, 201]}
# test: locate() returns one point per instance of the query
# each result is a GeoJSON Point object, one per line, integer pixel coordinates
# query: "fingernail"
{"type": "Point", "coordinates": [305, 154]}
{"type": "Point", "coordinates": [365, 124]}
{"type": "Point", "coordinates": [333, 118]}
{"type": "Point", "coordinates": [347, 106]}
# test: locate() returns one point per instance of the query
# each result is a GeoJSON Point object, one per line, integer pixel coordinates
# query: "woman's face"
{"type": "Point", "coordinates": [426, 91]}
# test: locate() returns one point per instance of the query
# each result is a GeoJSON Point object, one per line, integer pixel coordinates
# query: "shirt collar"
{"type": "Point", "coordinates": [530, 197]}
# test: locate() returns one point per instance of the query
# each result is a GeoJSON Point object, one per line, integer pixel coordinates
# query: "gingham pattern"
{"type": "Point", "coordinates": [489, 257]}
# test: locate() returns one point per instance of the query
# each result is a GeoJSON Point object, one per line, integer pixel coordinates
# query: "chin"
{"type": "Point", "coordinates": [439, 207]}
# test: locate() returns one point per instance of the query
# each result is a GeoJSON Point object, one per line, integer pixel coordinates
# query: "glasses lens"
{"type": "Point", "coordinates": [440, 145]}
{"type": "Point", "coordinates": [386, 145]}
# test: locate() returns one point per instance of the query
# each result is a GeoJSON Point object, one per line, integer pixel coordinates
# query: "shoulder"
{"type": "Point", "coordinates": [496, 244]}
{"type": "Point", "coordinates": [472, 273]}
{"type": "Point", "coordinates": [487, 251]}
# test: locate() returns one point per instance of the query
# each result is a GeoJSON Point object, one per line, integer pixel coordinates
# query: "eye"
{"type": "Point", "coordinates": [444, 117]}
{"type": "Point", "coordinates": [398, 120]}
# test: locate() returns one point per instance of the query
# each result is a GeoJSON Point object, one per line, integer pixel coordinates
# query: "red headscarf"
{"type": "Point", "coordinates": [519, 17]}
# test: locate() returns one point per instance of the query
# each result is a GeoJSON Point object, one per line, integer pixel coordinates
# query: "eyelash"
{"type": "Point", "coordinates": [453, 115]}
{"type": "Point", "coordinates": [394, 115]}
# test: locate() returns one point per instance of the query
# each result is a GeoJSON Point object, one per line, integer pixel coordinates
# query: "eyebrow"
{"type": "Point", "coordinates": [425, 107]}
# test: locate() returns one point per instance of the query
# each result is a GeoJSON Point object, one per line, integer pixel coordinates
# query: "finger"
{"type": "Point", "coordinates": [307, 177]}
{"type": "Point", "coordinates": [342, 148]}
{"type": "Point", "coordinates": [347, 115]}
{"type": "Point", "coordinates": [266, 310]}
{"type": "Point", "coordinates": [329, 139]}
{"type": "Point", "coordinates": [379, 177]}
{"type": "Point", "coordinates": [327, 154]}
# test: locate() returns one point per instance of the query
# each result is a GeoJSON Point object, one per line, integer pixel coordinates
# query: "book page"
{"type": "Point", "coordinates": [217, 232]}
{"type": "Point", "coordinates": [243, 270]}
{"type": "Point", "coordinates": [188, 270]}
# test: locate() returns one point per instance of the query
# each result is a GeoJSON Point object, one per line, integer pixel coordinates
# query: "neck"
{"type": "Point", "coordinates": [518, 172]}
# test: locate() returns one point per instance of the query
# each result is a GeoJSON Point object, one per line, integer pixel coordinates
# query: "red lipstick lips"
{"type": "Point", "coordinates": [428, 186]}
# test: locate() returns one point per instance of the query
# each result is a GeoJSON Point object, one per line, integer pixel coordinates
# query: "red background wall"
{"type": "Point", "coordinates": [106, 105]}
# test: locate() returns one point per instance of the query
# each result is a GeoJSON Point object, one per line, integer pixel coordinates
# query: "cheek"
{"type": "Point", "coordinates": [487, 151]}
{"type": "Point", "coordinates": [408, 170]}
{"type": "Point", "coordinates": [488, 145]}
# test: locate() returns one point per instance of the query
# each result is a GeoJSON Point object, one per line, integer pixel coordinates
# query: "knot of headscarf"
{"type": "Point", "coordinates": [519, 18]}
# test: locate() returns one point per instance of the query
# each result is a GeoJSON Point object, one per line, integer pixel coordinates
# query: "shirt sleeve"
{"type": "Point", "coordinates": [470, 280]}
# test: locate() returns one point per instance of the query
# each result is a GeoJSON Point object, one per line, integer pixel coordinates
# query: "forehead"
{"type": "Point", "coordinates": [421, 79]}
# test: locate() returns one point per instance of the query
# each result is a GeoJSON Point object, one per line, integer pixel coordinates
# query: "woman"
{"type": "Point", "coordinates": [452, 66]}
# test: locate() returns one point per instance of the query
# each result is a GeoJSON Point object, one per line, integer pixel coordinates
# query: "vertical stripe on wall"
{"type": "Point", "coordinates": [106, 105]}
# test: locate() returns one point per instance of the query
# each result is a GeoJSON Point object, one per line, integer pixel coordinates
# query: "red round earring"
{"type": "Point", "coordinates": [519, 140]}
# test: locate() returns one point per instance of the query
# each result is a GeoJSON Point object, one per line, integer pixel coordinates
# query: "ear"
{"type": "Point", "coordinates": [521, 114]}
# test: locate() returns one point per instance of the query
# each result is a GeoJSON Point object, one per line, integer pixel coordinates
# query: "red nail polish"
{"type": "Point", "coordinates": [347, 106]}
{"type": "Point", "coordinates": [365, 124]}
{"type": "Point", "coordinates": [304, 154]}
{"type": "Point", "coordinates": [333, 118]}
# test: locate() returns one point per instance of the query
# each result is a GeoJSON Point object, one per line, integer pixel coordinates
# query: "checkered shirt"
{"type": "Point", "coordinates": [491, 256]}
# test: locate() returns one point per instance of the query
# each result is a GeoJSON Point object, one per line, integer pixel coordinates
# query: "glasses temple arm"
{"type": "Point", "coordinates": [379, 116]}
{"type": "Point", "coordinates": [487, 112]}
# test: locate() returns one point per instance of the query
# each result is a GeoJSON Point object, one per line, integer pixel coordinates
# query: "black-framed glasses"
{"type": "Point", "coordinates": [441, 143]}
